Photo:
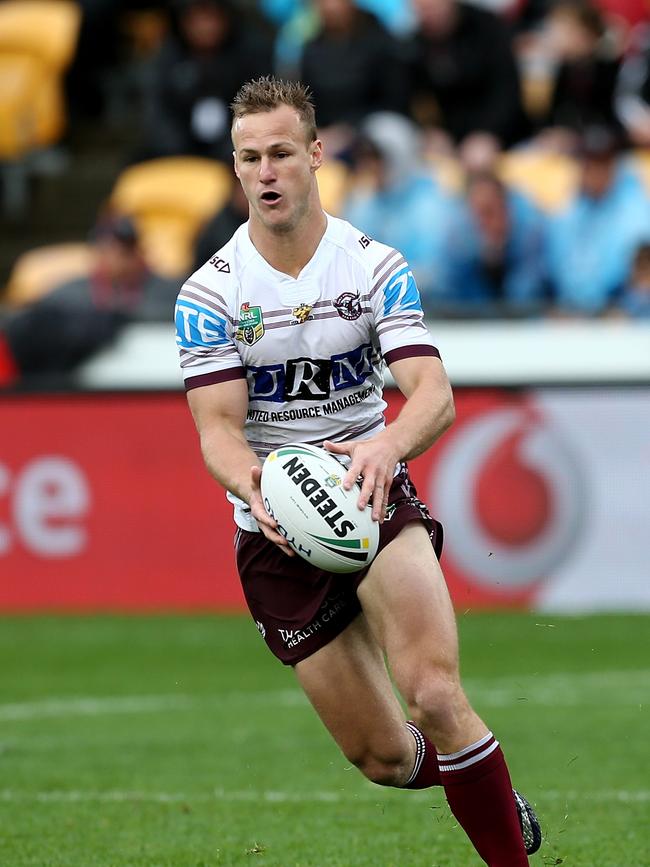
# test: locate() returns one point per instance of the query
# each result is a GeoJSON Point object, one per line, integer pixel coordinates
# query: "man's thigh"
{"type": "Point", "coordinates": [406, 602]}
{"type": "Point", "coordinates": [348, 684]}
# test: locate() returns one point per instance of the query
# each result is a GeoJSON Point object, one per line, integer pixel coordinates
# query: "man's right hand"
{"type": "Point", "coordinates": [266, 523]}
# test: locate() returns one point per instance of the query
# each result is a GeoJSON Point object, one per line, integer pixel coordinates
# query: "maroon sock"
{"type": "Point", "coordinates": [425, 770]}
{"type": "Point", "coordinates": [478, 789]}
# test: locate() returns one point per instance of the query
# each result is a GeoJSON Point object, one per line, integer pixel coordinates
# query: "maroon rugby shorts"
{"type": "Point", "coordinates": [298, 608]}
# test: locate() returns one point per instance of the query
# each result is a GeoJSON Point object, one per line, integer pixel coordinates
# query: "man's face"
{"type": "Point", "coordinates": [597, 174]}
{"type": "Point", "coordinates": [276, 166]}
{"type": "Point", "coordinates": [436, 17]}
{"type": "Point", "coordinates": [488, 205]}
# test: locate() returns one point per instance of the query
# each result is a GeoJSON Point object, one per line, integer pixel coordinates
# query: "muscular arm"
{"type": "Point", "coordinates": [219, 412]}
{"type": "Point", "coordinates": [429, 408]}
{"type": "Point", "coordinates": [426, 415]}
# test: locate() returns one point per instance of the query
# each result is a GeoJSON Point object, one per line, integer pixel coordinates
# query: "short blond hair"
{"type": "Point", "coordinates": [268, 93]}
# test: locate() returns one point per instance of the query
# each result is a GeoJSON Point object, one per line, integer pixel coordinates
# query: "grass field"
{"type": "Point", "coordinates": [179, 742]}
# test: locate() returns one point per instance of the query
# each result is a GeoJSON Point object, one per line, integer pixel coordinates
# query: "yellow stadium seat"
{"type": "Point", "coordinates": [448, 172]}
{"type": "Point", "coordinates": [169, 199]}
{"type": "Point", "coordinates": [38, 271]}
{"type": "Point", "coordinates": [37, 41]}
{"type": "Point", "coordinates": [549, 179]}
{"type": "Point", "coordinates": [640, 160]}
{"type": "Point", "coordinates": [32, 108]}
{"type": "Point", "coordinates": [19, 86]}
{"type": "Point", "coordinates": [333, 180]}
{"type": "Point", "coordinates": [47, 29]}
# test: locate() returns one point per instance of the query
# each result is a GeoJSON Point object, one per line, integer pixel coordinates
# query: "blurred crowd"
{"type": "Point", "coordinates": [502, 145]}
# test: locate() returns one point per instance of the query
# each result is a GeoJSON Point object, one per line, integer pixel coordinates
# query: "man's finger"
{"type": "Point", "coordinates": [378, 501]}
{"type": "Point", "coordinates": [338, 448]}
{"type": "Point", "coordinates": [367, 489]}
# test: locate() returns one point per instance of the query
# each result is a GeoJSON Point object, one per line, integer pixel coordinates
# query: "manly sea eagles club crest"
{"type": "Point", "coordinates": [250, 327]}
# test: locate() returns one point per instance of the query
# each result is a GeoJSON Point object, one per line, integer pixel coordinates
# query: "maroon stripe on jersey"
{"type": "Point", "coordinates": [398, 264]}
{"type": "Point", "coordinates": [189, 359]}
{"type": "Point", "coordinates": [216, 295]}
{"type": "Point", "coordinates": [270, 325]}
{"type": "Point", "coordinates": [287, 311]}
{"type": "Point", "coordinates": [381, 264]}
{"type": "Point", "coordinates": [354, 433]}
{"type": "Point", "coordinates": [402, 325]}
{"type": "Point", "coordinates": [403, 316]}
{"type": "Point", "coordinates": [214, 377]}
{"type": "Point", "coordinates": [400, 322]}
{"type": "Point", "coordinates": [331, 315]}
{"type": "Point", "coordinates": [415, 351]}
{"type": "Point", "coordinates": [207, 303]}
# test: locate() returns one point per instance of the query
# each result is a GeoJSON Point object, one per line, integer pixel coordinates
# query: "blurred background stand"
{"type": "Point", "coordinates": [33, 113]}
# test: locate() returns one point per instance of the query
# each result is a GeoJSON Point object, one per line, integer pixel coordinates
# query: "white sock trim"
{"type": "Point", "coordinates": [458, 766]}
{"type": "Point", "coordinates": [420, 750]}
{"type": "Point", "coordinates": [450, 757]}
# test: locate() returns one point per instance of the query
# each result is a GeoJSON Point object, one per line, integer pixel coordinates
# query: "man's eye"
{"type": "Point", "coordinates": [250, 159]}
{"type": "Point", "coordinates": [281, 155]}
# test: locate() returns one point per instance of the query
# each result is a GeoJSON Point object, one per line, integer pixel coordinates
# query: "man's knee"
{"type": "Point", "coordinates": [385, 767]}
{"type": "Point", "coordinates": [437, 702]}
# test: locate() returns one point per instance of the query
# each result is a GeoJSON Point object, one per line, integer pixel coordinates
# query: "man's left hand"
{"type": "Point", "coordinates": [375, 460]}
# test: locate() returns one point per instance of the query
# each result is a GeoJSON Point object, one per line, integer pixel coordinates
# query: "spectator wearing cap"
{"type": "Point", "coordinates": [194, 77]}
{"type": "Point", "coordinates": [65, 327]}
{"type": "Point", "coordinates": [591, 243]}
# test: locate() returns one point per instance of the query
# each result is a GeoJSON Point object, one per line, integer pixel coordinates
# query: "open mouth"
{"type": "Point", "coordinates": [270, 197]}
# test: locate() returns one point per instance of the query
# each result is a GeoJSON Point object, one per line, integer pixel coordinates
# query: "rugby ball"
{"type": "Point", "coordinates": [302, 488]}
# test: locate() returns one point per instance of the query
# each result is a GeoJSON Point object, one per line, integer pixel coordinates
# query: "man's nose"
{"type": "Point", "coordinates": [267, 172]}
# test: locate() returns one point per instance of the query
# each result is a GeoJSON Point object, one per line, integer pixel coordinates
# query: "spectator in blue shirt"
{"type": "Point", "coordinates": [493, 263]}
{"type": "Point", "coordinates": [634, 299]}
{"type": "Point", "coordinates": [396, 200]}
{"type": "Point", "coordinates": [593, 241]}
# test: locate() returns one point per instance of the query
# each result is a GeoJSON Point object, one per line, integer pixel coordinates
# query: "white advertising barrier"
{"type": "Point", "coordinates": [545, 498]}
{"type": "Point", "coordinates": [474, 353]}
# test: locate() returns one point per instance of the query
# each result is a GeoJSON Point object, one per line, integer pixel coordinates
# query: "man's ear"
{"type": "Point", "coordinates": [316, 151]}
{"type": "Point", "coordinates": [234, 163]}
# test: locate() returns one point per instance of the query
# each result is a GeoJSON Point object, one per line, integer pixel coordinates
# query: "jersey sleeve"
{"type": "Point", "coordinates": [205, 335]}
{"type": "Point", "coordinates": [397, 309]}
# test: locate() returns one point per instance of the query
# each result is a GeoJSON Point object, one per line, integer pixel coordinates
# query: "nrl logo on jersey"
{"type": "Point", "coordinates": [301, 313]}
{"type": "Point", "coordinates": [250, 327]}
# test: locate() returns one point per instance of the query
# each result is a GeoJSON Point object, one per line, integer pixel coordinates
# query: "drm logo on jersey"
{"type": "Point", "coordinates": [310, 378]}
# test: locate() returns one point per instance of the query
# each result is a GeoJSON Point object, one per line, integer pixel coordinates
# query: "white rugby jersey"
{"type": "Point", "coordinates": [312, 348]}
